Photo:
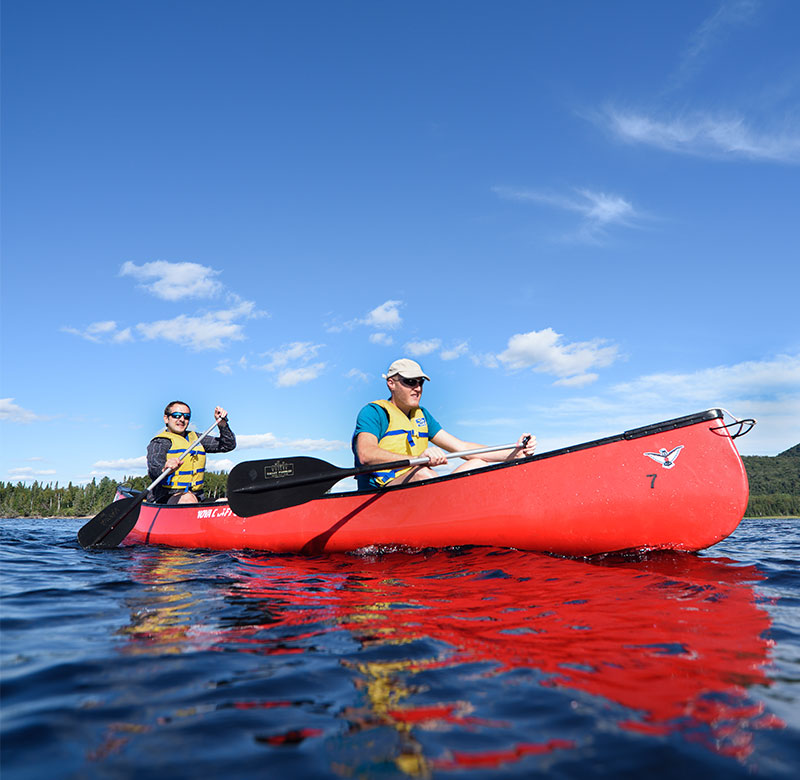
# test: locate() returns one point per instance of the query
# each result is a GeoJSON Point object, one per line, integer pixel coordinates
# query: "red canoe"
{"type": "Point", "coordinates": [677, 485]}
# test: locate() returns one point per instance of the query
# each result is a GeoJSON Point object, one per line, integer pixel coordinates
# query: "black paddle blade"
{"type": "Point", "coordinates": [112, 525]}
{"type": "Point", "coordinates": [259, 486]}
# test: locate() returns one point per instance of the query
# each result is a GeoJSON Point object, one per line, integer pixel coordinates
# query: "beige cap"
{"type": "Point", "coordinates": [408, 368]}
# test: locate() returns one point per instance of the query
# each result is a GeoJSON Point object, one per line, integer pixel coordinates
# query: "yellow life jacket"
{"type": "Point", "coordinates": [407, 436]}
{"type": "Point", "coordinates": [189, 474]}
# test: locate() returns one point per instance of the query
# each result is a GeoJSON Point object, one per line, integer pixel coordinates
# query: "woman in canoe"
{"type": "Point", "coordinates": [185, 484]}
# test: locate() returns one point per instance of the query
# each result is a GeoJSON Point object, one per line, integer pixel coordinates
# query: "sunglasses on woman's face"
{"type": "Point", "coordinates": [178, 415]}
{"type": "Point", "coordinates": [411, 382]}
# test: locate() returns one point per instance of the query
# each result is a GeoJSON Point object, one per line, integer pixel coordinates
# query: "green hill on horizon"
{"type": "Point", "coordinates": [774, 484]}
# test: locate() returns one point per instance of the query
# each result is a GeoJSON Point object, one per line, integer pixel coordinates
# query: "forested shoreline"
{"type": "Point", "coordinates": [774, 491]}
{"type": "Point", "coordinates": [774, 484]}
{"type": "Point", "coordinates": [55, 500]}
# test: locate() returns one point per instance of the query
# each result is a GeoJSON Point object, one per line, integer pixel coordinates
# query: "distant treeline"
{"type": "Point", "coordinates": [774, 491]}
{"type": "Point", "coordinates": [54, 500]}
{"type": "Point", "coordinates": [774, 484]}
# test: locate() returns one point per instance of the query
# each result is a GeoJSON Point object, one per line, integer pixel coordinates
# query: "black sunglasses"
{"type": "Point", "coordinates": [178, 415]}
{"type": "Point", "coordinates": [411, 382]}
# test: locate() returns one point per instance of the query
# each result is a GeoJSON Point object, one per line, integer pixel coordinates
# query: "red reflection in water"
{"type": "Point", "coordinates": [497, 758]}
{"type": "Point", "coordinates": [675, 639]}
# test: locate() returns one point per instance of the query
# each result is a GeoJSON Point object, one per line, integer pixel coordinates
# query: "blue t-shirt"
{"type": "Point", "coordinates": [373, 419]}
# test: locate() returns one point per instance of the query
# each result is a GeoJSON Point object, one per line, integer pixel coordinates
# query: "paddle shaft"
{"type": "Point", "coordinates": [121, 516]}
{"type": "Point", "coordinates": [165, 474]}
{"type": "Point", "coordinates": [448, 455]}
{"type": "Point", "coordinates": [337, 473]}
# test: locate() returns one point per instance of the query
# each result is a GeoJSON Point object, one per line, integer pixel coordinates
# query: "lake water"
{"type": "Point", "coordinates": [442, 664]}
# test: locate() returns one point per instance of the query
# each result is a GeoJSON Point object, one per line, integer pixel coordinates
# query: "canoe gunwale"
{"type": "Point", "coordinates": [596, 499]}
{"type": "Point", "coordinates": [634, 433]}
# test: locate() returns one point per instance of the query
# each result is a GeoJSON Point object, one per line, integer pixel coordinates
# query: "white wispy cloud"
{"type": "Point", "coordinates": [292, 363]}
{"type": "Point", "coordinates": [768, 390]}
{"type": "Point", "coordinates": [104, 332]}
{"type": "Point", "coordinates": [599, 210]}
{"type": "Point", "coordinates": [294, 376]}
{"type": "Point", "coordinates": [752, 379]}
{"type": "Point", "coordinates": [213, 330]}
{"type": "Point", "coordinates": [269, 441]}
{"type": "Point", "coordinates": [485, 359]}
{"type": "Point", "coordinates": [728, 15]}
{"type": "Point", "coordinates": [579, 380]}
{"type": "Point", "coordinates": [704, 134]}
{"type": "Point", "coordinates": [249, 441]}
{"type": "Point", "coordinates": [546, 351]}
{"type": "Point", "coordinates": [11, 412]}
{"type": "Point", "coordinates": [291, 353]}
{"type": "Point", "coordinates": [455, 352]}
{"type": "Point", "coordinates": [219, 464]}
{"type": "Point", "coordinates": [385, 317]}
{"type": "Point", "coordinates": [714, 134]}
{"type": "Point", "coordinates": [27, 472]}
{"type": "Point", "coordinates": [126, 465]}
{"type": "Point", "coordinates": [175, 281]}
{"type": "Point", "coordinates": [420, 348]}
{"type": "Point", "coordinates": [355, 373]}
{"type": "Point", "coordinates": [227, 365]}
{"type": "Point", "coordinates": [384, 339]}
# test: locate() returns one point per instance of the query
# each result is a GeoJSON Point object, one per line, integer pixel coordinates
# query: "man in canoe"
{"type": "Point", "coordinates": [401, 426]}
{"type": "Point", "coordinates": [185, 484]}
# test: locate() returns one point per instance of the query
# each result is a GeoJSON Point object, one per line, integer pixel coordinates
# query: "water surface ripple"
{"type": "Point", "coordinates": [462, 663]}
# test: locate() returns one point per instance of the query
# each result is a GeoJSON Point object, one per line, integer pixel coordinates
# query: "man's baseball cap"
{"type": "Point", "coordinates": [408, 368]}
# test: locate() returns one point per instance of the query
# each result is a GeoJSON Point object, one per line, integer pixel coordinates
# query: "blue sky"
{"type": "Point", "coordinates": [580, 217]}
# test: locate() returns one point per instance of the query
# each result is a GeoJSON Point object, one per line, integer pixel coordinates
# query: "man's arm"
{"type": "Point", "coordinates": [369, 452]}
{"type": "Point", "coordinates": [452, 443]}
{"type": "Point", "coordinates": [371, 424]}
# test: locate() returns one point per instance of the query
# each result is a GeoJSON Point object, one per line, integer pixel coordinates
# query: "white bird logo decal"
{"type": "Point", "coordinates": [666, 459]}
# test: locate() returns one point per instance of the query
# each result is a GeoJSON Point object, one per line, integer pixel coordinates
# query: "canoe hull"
{"type": "Point", "coordinates": [678, 485]}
